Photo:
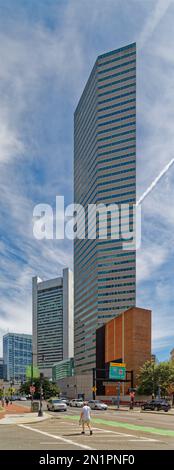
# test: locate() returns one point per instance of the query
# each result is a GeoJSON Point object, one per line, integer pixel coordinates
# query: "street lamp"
{"type": "Point", "coordinates": [40, 412]}
{"type": "Point", "coordinates": [11, 391]}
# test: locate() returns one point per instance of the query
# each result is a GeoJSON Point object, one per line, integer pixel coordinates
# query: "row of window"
{"type": "Point", "coordinates": [117, 51]}
{"type": "Point", "coordinates": [124, 87]}
{"type": "Point", "coordinates": [118, 142]}
{"type": "Point", "coordinates": [123, 64]}
{"type": "Point", "coordinates": [106, 123]}
{"type": "Point", "coordinates": [131, 69]}
{"type": "Point", "coordinates": [117, 104]}
{"type": "Point", "coordinates": [113, 136]}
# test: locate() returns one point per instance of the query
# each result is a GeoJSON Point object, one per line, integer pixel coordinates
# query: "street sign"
{"type": "Point", "coordinates": [117, 371]}
{"type": "Point", "coordinates": [32, 389]}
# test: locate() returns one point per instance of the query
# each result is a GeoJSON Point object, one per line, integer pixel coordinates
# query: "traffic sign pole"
{"type": "Point", "coordinates": [94, 383]}
{"type": "Point", "coordinates": [118, 395]}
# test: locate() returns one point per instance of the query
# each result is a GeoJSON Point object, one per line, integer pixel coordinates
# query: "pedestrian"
{"type": "Point", "coordinates": [7, 401]}
{"type": "Point", "coordinates": [85, 418]}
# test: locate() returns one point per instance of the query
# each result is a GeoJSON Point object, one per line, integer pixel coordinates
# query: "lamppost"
{"type": "Point", "coordinates": [118, 395]}
{"type": "Point", "coordinates": [153, 379]}
{"type": "Point", "coordinates": [40, 412]}
{"type": "Point", "coordinates": [11, 391]}
{"type": "Point", "coordinates": [32, 384]}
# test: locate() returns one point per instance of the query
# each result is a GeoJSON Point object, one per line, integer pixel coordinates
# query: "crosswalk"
{"type": "Point", "coordinates": [59, 432]}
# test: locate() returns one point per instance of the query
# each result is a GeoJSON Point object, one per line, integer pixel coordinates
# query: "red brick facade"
{"type": "Point", "coordinates": [128, 337]}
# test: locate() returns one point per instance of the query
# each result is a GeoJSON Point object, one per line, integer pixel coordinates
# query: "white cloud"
{"type": "Point", "coordinates": [155, 16]}
{"type": "Point", "coordinates": [36, 137]}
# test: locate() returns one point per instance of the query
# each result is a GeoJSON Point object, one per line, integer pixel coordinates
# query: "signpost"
{"type": "Point", "coordinates": [32, 389]}
{"type": "Point", "coordinates": [118, 395]}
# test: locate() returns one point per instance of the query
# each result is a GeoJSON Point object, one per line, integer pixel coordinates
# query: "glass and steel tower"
{"type": "Point", "coordinates": [17, 355]}
{"type": "Point", "coordinates": [104, 172]}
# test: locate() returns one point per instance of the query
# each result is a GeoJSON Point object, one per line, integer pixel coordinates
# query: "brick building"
{"type": "Point", "coordinates": [126, 338]}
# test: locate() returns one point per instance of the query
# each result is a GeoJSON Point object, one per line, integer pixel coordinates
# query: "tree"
{"type": "Point", "coordinates": [49, 389]}
{"type": "Point", "coordinates": [154, 377]}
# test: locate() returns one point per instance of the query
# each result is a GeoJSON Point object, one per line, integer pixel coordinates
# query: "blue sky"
{"type": "Point", "coordinates": [47, 49]}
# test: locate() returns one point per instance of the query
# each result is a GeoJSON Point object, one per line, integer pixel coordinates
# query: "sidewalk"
{"type": "Point", "coordinates": [23, 418]}
{"type": "Point", "coordinates": [15, 409]}
{"type": "Point", "coordinates": [18, 414]}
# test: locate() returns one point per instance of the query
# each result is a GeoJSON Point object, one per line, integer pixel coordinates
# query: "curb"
{"type": "Point", "coordinates": [29, 420]}
{"type": "Point", "coordinates": [142, 411]}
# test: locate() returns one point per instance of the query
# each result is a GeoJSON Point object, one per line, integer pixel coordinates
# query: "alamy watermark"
{"type": "Point", "coordinates": [120, 222]}
{"type": "Point", "coordinates": [96, 221]}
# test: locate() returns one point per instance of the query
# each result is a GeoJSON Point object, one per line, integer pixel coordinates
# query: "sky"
{"type": "Point", "coordinates": [47, 50]}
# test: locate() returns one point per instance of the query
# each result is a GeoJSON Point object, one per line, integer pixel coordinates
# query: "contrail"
{"type": "Point", "coordinates": [153, 20]}
{"type": "Point", "coordinates": [154, 183]}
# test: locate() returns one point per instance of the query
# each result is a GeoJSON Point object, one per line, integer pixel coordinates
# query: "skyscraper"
{"type": "Point", "coordinates": [17, 349]}
{"type": "Point", "coordinates": [53, 321]}
{"type": "Point", "coordinates": [104, 173]}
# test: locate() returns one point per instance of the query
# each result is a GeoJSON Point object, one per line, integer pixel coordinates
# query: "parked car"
{"type": "Point", "coordinates": [22, 398]}
{"type": "Point", "coordinates": [78, 402]}
{"type": "Point", "coordinates": [97, 405]}
{"type": "Point", "coordinates": [65, 400]}
{"type": "Point", "coordinates": [157, 405]}
{"type": "Point", "coordinates": [14, 398]}
{"type": "Point", "coordinates": [55, 404]}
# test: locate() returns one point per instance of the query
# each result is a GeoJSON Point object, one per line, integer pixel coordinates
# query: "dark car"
{"type": "Point", "coordinates": [156, 405]}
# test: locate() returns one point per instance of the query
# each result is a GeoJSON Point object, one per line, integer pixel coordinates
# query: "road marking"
{"type": "Point", "coordinates": [140, 439]}
{"type": "Point", "coordinates": [104, 433]}
{"type": "Point", "coordinates": [68, 441]}
{"type": "Point", "coordinates": [132, 427]}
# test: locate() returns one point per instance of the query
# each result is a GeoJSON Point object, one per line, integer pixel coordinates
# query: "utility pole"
{"type": "Point", "coordinates": [118, 395]}
{"type": "Point", "coordinates": [32, 381]}
{"type": "Point", "coordinates": [40, 412]}
{"type": "Point", "coordinates": [94, 383]}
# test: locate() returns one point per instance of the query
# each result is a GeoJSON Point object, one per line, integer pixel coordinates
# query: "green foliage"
{"type": "Point", "coordinates": [49, 389]}
{"type": "Point", "coordinates": [152, 376]}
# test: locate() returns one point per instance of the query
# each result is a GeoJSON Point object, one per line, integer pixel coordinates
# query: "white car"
{"type": "Point", "coordinates": [23, 399]}
{"type": "Point", "coordinates": [54, 404]}
{"type": "Point", "coordinates": [97, 405]}
{"type": "Point", "coordinates": [78, 402]}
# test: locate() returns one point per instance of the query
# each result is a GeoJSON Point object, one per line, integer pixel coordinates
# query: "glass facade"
{"type": "Point", "coordinates": [63, 369]}
{"type": "Point", "coordinates": [17, 355]}
{"type": "Point", "coordinates": [104, 172]}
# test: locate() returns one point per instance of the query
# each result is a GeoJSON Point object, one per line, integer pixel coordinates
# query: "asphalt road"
{"type": "Point", "coordinates": [116, 430]}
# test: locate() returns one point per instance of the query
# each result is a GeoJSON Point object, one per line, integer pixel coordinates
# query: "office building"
{"type": "Point", "coordinates": [63, 369]}
{"type": "Point", "coordinates": [124, 339]}
{"type": "Point", "coordinates": [104, 173]}
{"type": "Point", "coordinates": [17, 355]}
{"type": "Point", "coordinates": [53, 327]}
{"type": "Point", "coordinates": [1, 368]}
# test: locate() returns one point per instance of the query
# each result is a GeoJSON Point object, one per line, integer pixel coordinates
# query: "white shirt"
{"type": "Point", "coordinates": [86, 413]}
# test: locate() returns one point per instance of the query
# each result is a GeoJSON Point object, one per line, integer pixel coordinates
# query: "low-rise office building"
{"type": "Point", "coordinates": [63, 369]}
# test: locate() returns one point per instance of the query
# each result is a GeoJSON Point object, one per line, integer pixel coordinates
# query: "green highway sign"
{"type": "Point", "coordinates": [117, 371]}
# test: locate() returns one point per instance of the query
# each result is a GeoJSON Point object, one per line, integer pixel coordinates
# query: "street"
{"type": "Point", "coordinates": [112, 429]}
